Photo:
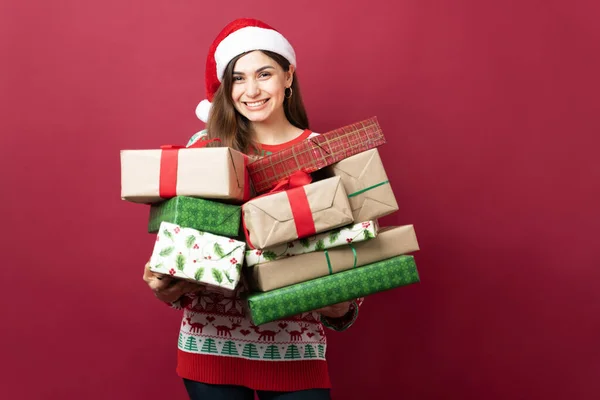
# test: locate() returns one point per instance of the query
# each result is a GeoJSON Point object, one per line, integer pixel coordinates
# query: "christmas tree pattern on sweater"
{"type": "Point", "coordinates": [215, 325]}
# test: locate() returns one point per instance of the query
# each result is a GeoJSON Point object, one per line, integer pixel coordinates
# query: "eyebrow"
{"type": "Point", "coordinates": [257, 71]}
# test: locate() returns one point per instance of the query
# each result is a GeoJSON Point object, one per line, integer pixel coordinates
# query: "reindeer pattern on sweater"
{"type": "Point", "coordinates": [214, 323]}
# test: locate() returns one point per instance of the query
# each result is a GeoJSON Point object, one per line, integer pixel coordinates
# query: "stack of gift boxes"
{"type": "Point", "coordinates": [300, 224]}
{"type": "Point", "coordinates": [195, 196]}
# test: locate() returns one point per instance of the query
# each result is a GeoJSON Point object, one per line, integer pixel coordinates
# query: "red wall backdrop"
{"type": "Point", "coordinates": [491, 114]}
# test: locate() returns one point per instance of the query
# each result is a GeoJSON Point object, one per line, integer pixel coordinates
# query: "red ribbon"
{"type": "Point", "coordinates": [169, 158]}
{"type": "Point", "coordinates": [303, 219]}
{"type": "Point", "coordinates": [297, 179]}
{"type": "Point", "coordinates": [246, 180]}
{"type": "Point", "coordinates": [294, 187]}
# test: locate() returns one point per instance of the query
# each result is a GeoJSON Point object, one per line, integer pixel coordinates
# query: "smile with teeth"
{"type": "Point", "coordinates": [256, 103]}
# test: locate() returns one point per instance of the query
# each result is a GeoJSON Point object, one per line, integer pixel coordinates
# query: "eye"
{"type": "Point", "coordinates": [264, 74]}
{"type": "Point", "coordinates": [237, 78]}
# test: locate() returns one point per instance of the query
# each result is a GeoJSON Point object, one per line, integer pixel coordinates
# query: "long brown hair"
{"type": "Point", "coordinates": [235, 130]}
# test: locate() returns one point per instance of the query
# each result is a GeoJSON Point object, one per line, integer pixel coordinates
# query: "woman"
{"type": "Point", "coordinates": [254, 106]}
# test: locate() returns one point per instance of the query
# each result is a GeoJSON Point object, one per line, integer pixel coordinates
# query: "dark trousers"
{"type": "Point", "coordinates": [203, 391]}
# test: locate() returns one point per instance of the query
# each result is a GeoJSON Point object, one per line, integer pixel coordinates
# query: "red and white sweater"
{"type": "Point", "coordinates": [219, 344]}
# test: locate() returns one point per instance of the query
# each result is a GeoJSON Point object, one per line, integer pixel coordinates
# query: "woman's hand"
{"type": "Point", "coordinates": [166, 288]}
{"type": "Point", "coordinates": [335, 310]}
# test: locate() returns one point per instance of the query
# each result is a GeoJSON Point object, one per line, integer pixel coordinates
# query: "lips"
{"type": "Point", "coordinates": [255, 104]}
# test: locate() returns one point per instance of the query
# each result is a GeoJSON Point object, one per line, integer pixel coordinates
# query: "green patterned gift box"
{"type": "Point", "coordinates": [203, 215]}
{"type": "Point", "coordinates": [332, 289]}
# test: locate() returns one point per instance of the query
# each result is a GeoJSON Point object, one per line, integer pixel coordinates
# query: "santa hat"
{"type": "Point", "coordinates": [239, 36]}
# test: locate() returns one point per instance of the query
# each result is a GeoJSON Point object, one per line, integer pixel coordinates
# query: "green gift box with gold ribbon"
{"type": "Point", "coordinates": [203, 215]}
{"type": "Point", "coordinates": [389, 242]}
{"type": "Point", "coordinates": [332, 289]}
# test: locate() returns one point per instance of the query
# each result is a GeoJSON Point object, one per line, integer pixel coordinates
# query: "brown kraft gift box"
{"type": "Point", "coordinates": [217, 173]}
{"type": "Point", "coordinates": [366, 182]}
{"type": "Point", "coordinates": [390, 242]}
{"type": "Point", "coordinates": [269, 219]}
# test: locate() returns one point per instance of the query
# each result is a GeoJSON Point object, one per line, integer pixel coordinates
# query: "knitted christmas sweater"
{"type": "Point", "coordinates": [219, 344]}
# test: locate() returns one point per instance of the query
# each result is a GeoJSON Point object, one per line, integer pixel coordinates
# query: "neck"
{"type": "Point", "coordinates": [275, 130]}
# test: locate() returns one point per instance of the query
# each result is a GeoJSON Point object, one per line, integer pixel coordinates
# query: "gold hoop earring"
{"type": "Point", "coordinates": [291, 91]}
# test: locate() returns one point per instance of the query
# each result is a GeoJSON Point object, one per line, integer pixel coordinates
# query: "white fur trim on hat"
{"type": "Point", "coordinates": [203, 109]}
{"type": "Point", "coordinates": [251, 38]}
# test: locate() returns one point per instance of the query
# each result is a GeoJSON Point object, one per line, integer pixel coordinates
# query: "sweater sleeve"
{"type": "Point", "coordinates": [346, 321]}
{"type": "Point", "coordinates": [196, 136]}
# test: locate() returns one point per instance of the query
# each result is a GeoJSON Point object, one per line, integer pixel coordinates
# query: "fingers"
{"type": "Point", "coordinates": [193, 287]}
{"type": "Point", "coordinates": [172, 293]}
{"type": "Point", "coordinates": [167, 288]}
{"type": "Point", "coordinates": [148, 275]}
{"type": "Point", "coordinates": [154, 280]}
{"type": "Point", "coordinates": [323, 310]}
{"type": "Point", "coordinates": [177, 289]}
{"type": "Point", "coordinates": [335, 310]}
{"type": "Point", "coordinates": [160, 285]}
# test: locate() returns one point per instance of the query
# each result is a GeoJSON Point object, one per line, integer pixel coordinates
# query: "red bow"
{"type": "Point", "coordinates": [297, 179]}
{"type": "Point", "coordinates": [294, 188]}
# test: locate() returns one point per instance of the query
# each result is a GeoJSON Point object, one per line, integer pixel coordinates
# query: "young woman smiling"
{"type": "Point", "coordinates": [254, 105]}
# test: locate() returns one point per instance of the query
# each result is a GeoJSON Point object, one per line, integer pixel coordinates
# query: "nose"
{"type": "Point", "coordinates": [252, 88]}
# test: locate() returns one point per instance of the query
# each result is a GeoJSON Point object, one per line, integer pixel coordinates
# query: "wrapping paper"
{"type": "Point", "coordinates": [296, 213]}
{"type": "Point", "coordinates": [197, 256]}
{"type": "Point", "coordinates": [204, 215]}
{"type": "Point", "coordinates": [367, 185]}
{"type": "Point", "coordinates": [315, 153]}
{"type": "Point", "coordinates": [338, 237]}
{"type": "Point", "coordinates": [151, 176]}
{"type": "Point", "coordinates": [390, 242]}
{"type": "Point", "coordinates": [332, 289]}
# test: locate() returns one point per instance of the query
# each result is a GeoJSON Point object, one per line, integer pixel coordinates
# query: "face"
{"type": "Point", "coordinates": [258, 87]}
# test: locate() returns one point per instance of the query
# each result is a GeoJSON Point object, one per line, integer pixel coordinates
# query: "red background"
{"type": "Point", "coordinates": [490, 110]}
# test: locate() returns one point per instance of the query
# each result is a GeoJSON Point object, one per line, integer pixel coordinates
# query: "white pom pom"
{"type": "Point", "coordinates": [203, 109]}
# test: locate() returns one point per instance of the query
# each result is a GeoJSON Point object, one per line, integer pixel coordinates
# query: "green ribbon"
{"type": "Point", "coordinates": [353, 252]}
{"type": "Point", "coordinates": [329, 261]}
{"type": "Point", "coordinates": [367, 189]}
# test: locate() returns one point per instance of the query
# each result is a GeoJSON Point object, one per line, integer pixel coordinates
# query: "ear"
{"type": "Point", "coordinates": [289, 76]}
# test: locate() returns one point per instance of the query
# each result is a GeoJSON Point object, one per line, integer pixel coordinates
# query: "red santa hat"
{"type": "Point", "coordinates": [239, 36]}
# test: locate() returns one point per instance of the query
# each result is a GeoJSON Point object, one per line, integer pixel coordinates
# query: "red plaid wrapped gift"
{"type": "Point", "coordinates": [315, 153]}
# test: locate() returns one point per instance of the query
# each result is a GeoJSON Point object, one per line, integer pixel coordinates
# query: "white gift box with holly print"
{"type": "Point", "coordinates": [326, 240]}
{"type": "Point", "coordinates": [193, 255]}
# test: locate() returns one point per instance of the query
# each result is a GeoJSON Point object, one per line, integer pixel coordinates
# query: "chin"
{"type": "Point", "coordinates": [256, 117]}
